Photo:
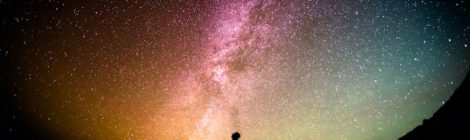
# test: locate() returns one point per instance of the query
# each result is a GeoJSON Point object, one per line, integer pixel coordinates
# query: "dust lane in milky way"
{"type": "Point", "coordinates": [228, 77]}
{"type": "Point", "coordinates": [269, 69]}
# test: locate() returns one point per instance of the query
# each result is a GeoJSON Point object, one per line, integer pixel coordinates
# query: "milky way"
{"type": "Point", "coordinates": [268, 69]}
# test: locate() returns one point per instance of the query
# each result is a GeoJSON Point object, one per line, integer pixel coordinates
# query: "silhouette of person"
{"type": "Point", "coordinates": [235, 136]}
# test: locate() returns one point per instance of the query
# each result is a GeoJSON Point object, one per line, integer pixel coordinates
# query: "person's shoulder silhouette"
{"type": "Point", "coordinates": [235, 136]}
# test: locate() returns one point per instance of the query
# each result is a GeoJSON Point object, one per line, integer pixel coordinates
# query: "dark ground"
{"type": "Point", "coordinates": [450, 122]}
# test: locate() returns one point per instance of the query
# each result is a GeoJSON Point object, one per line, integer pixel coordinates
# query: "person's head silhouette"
{"type": "Point", "coordinates": [235, 136]}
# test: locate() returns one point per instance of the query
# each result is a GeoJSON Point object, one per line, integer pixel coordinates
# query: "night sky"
{"type": "Point", "coordinates": [190, 70]}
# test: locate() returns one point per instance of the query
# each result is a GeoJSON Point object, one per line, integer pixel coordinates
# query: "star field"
{"type": "Point", "coordinates": [269, 69]}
